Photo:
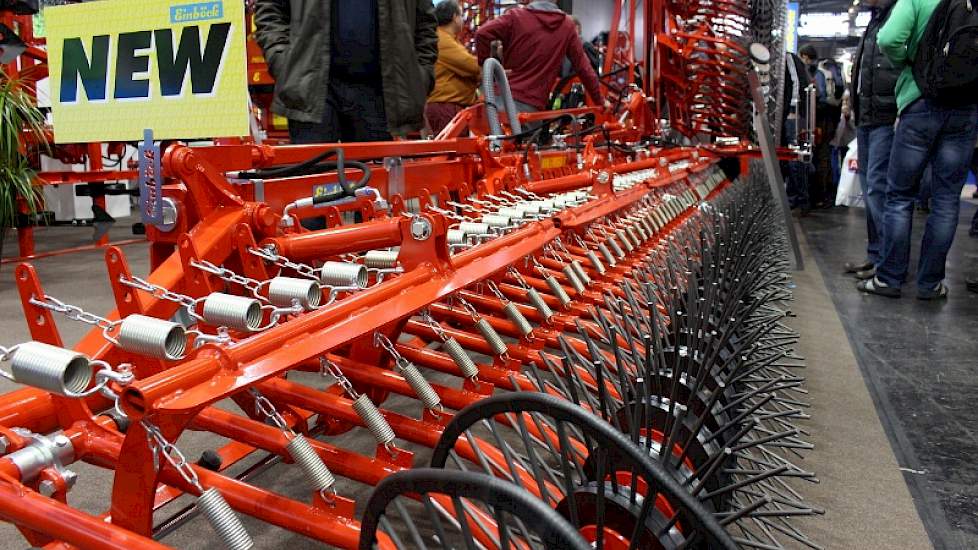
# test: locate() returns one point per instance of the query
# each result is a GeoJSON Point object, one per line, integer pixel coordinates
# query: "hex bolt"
{"type": "Point", "coordinates": [46, 487]}
{"type": "Point", "coordinates": [420, 228]}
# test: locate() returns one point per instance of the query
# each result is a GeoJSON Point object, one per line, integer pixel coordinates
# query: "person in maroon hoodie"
{"type": "Point", "coordinates": [535, 42]}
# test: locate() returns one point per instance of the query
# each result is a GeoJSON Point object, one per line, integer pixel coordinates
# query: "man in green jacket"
{"type": "Point", "coordinates": [349, 70]}
{"type": "Point", "coordinates": [926, 133]}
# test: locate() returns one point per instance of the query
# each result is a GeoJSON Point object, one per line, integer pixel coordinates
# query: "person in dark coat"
{"type": "Point", "coordinates": [349, 70]}
{"type": "Point", "coordinates": [795, 112]}
{"type": "Point", "coordinates": [874, 105]}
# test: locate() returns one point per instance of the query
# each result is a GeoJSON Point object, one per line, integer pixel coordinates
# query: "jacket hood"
{"type": "Point", "coordinates": [548, 14]}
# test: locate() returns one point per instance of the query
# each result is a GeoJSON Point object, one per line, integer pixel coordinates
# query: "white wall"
{"type": "Point", "coordinates": [595, 16]}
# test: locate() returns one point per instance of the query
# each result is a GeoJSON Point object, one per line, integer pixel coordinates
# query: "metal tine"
{"type": "Point", "coordinates": [416, 537]}
{"type": "Point", "coordinates": [461, 514]}
{"type": "Point", "coordinates": [386, 526]}
{"type": "Point", "coordinates": [435, 519]}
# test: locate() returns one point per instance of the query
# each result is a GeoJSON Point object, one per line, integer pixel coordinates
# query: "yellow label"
{"type": "Point", "coordinates": [556, 161]}
{"type": "Point", "coordinates": [118, 67]}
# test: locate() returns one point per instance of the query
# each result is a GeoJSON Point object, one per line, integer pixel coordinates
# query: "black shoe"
{"type": "Point", "coordinates": [853, 267]}
{"type": "Point", "coordinates": [972, 282]}
{"type": "Point", "coordinates": [866, 273]}
{"type": "Point", "coordinates": [875, 286]}
{"type": "Point", "coordinates": [939, 292]}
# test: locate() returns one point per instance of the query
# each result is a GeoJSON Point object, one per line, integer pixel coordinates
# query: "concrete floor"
{"type": "Point", "coordinates": [862, 489]}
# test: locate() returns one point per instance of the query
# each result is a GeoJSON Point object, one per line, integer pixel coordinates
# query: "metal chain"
{"type": "Point", "coordinates": [158, 292]}
{"type": "Point", "coordinates": [266, 408]}
{"type": "Point", "coordinates": [225, 274]}
{"type": "Point", "coordinates": [74, 313]}
{"type": "Point", "coordinates": [434, 325]}
{"type": "Point", "coordinates": [7, 353]}
{"type": "Point", "coordinates": [327, 367]}
{"type": "Point", "coordinates": [385, 343]}
{"type": "Point", "coordinates": [173, 455]}
{"type": "Point", "coordinates": [281, 261]}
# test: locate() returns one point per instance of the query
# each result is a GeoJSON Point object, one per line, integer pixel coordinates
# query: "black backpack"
{"type": "Point", "coordinates": [946, 65]}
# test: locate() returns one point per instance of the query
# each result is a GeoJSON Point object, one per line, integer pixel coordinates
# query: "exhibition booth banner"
{"type": "Point", "coordinates": [119, 67]}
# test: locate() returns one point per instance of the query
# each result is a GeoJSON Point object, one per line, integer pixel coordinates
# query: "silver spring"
{"type": "Point", "coordinates": [152, 337]}
{"type": "Point", "coordinates": [495, 341]}
{"type": "Point", "coordinates": [606, 254]}
{"type": "Point", "coordinates": [461, 358]}
{"type": "Point", "coordinates": [625, 241]}
{"type": "Point", "coordinates": [573, 279]}
{"type": "Point", "coordinates": [538, 303]}
{"type": "Point", "coordinates": [557, 290]}
{"type": "Point", "coordinates": [474, 228]}
{"type": "Point", "coordinates": [57, 370]}
{"type": "Point", "coordinates": [223, 519]}
{"type": "Point", "coordinates": [595, 262]}
{"type": "Point", "coordinates": [373, 419]}
{"type": "Point", "coordinates": [283, 290]}
{"type": "Point", "coordinates": [582, 275]}
{"type": "Point", "coordinates": [516, 316]}
{"type": "Point", "coordinates": [236, 312]}
{"type": "Point", "coordinates": [343, 274]}
{"type": "Point", "coordinates": [381, 259]}
{"type": "Point", "coordinates": [427, 394]}
{"type": "Point", "coordinates": [630, 230]}
{"type": "Point", "coordinates": [310, 463]}
{"type": "Point", "coordinates": [456, 237]}
{"type": "Point", "coordinates": [615, 247]}
{"type": "Point", "coordinates": [496, 220]}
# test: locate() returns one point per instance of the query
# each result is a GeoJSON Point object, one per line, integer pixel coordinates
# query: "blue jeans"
{"type": "Point", "coordinates": [873, 144]}
{"type": "Point", "coordinates": [945, 138]}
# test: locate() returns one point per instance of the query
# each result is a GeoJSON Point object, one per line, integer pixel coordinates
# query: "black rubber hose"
{"type": "Point", "coordinates": [492, 73]}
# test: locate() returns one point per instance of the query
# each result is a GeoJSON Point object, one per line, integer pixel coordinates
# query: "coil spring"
{"type": "Point", "coordinates": [381, 259]}
{"type": "Point", "coordinates": [615, 247]}
{"type": "Point", "coordinates": [496, 220]}
{"type": "Point", "coordinates": [51, 368]}
{"type": "Point", "coordinates": [634, 235]}
{"type": "Point", "coordinates": [557, 290]}
{"type": "Point", "coordinates": [343, 274]}
{"type": "Point", "coordinates": [581, 274]}
{"type": "Point", "coordinates": [223, 519]}
{"type": "Point", "coordinates": [518, 319]}
{"type": "Point", "coordinates": [512, 213]}
{"type": "Point", "coordinates": [152, 337]}
{"type": "Point", "coordinates": [473, 228]}
{"type": "Point", "coordinates": [538, 303]}
{"type": "Point", "coordinates": [311, 464]}
{"type": "Point", "coordinates": [606, 254]}
{"type": "Point", "coordinates": [573, 279]}
{"type": "Point", "coordinates": [237, 312]}
{"type": "Point", "coordinates": [625, 241]}
{"type": "Point", "coordinates": [375, 422]}
{"type": "Point", "coordinates": [461, 358]}
{"type": "Point", "coordinates": [456, 236]}
{"type": "Point", "coordinates": [283, 290]}
{"type": "Point", "coordinates": [593, 258]}
{"type": "Point", "coordinates": [427, 394]}
{"type": "Point", "coordinates": [492, 337]}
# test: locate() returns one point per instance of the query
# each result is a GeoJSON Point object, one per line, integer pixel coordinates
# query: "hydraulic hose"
{"type": "Point", "coordinates": [493, 74]}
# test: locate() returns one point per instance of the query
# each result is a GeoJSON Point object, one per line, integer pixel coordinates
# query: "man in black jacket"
{"type": "Point", "coordinates": [875, 108]}
{"type": "Point", "coordinates": [349, 70]}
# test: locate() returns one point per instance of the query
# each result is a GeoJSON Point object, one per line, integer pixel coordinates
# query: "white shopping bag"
{"type": "Point", "coordinates": [850, 193]}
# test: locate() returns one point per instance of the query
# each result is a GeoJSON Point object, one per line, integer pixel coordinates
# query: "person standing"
{"type": "Point", "coordinates": [931, 132]}
{"type": "Point", "coordinates": [535, 42]}
{"type": "Point", "coordinates": [349, 70]}
{"type": "Point", "coordinates": [829, 89]}
{"type": "Point", "coordinates": [874, 106]}
{"type": "Point", "coordinates": [456, 72]}
{"type": "Point", "coordinates": [795, 112]}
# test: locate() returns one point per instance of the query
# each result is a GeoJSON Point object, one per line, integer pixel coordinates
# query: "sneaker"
{"type": "Point", "coordinates": [853, 267]}
{"type": "Point", "coordinates": [866, 273]}
{"type": "Point", "coordinates": [972, 281]}
{"type": "Point", "coordinates": [875, 286]}
{"type": "Point", "coordinates": [939, 292]}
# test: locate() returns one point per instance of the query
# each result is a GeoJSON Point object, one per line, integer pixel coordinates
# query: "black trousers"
{"type": "Point", "coordinates": [354, 112]}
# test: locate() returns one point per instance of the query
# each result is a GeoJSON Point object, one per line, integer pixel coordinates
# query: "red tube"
{"type": "Point", "coordinates": [316, 245]}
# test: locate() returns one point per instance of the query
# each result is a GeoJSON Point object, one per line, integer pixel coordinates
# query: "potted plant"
{"type": "Point", "coordinates": [21, 122]}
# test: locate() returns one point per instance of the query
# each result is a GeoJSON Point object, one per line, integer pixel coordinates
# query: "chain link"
{"type": "Point", "coordinates": [302, 269]}
{"type": "Point", "coordinates": [159, 292]}
{"type": "Point", "coordinates": [6, 354]}
{"type": "Point", "coordinates": [327, 367]}
{"type": "Point", "coordinates": [74, 313]}
{"type": "Point", "coordinates": [173, 455]}
{"type": "Point", "coordinates": [225, 274]}
{"type": "Point", "coordinates": [266, 408]}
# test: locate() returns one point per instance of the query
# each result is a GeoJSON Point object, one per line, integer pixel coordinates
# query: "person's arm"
{"type": "Point", "coordinates": [272, 31]}
{"type": "Point", "coordinates": [820, 94]}
{"type": "Point", "coordinates": [495, 29]}
{"type": "Point", "coordinates": [459, 60]}
{"type": "Point", "coordinates": [582, 65]}
{"type": "Point", "coordinates": [426, 39]}
{"type": "Point", "coordinates": [894, 35]}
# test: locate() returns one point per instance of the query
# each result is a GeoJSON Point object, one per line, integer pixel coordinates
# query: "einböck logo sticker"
{"type": "Point", "coordinates": [200, 11]}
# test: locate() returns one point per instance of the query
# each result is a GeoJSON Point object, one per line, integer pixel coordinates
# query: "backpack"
{"type": "Point", "coordinates": [833, 89]}
{"type": "Point", "coordinates": [944, 67]}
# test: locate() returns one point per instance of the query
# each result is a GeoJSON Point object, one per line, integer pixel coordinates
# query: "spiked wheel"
{"type": "Point", "coordinates": [433, 508]}
{"type": "Point", "coordinates": [604, 484]}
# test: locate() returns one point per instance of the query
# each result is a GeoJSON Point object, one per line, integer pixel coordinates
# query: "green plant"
{"type": "Point", "coordinates": [20, 121]}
